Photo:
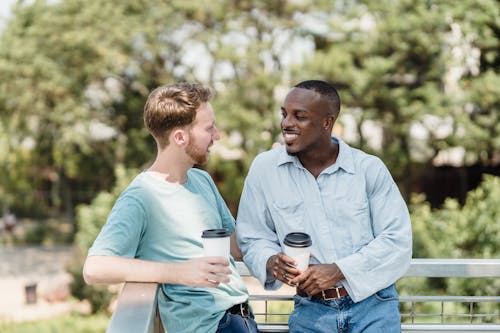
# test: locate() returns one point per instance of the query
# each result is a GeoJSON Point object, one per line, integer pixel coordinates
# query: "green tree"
{"type": "Point", "coordinates": [454, 231]}
{"type": "Point", "coordinates": [90, 219]}
{"type": "Point", "coordinates": [65, 90]}
{"type": "Point", "coordinates": [416, 78]}
{"type": "Point", "coordinates": [73, 68]}
{"type": "Point", "coordinates": [75, 75]}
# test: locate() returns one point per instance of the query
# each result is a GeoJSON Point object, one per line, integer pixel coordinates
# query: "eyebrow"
{"type": "Point", "coordinates": [295, 110]}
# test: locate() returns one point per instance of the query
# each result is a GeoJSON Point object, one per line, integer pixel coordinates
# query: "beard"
{"type": "Point", "coordinates": [200, 156]}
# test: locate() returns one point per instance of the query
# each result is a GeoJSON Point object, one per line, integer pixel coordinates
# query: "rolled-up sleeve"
{"type": "Point", "coordinates": [255, 230]}
{"type": "Point", "coordinates": [387, 257]}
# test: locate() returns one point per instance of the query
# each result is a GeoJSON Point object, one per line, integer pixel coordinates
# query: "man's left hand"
{"type": "Point", "coordinates": [318, 277]}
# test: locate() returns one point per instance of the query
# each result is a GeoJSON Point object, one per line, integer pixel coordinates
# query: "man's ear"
{"type": "Point", "coordinates": [179, 136]}
{"type": "Point", "coordinates": [329, 122]}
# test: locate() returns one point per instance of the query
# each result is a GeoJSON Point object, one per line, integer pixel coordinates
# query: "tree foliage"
{"type": "Point", "coordinates": [476, 233]}
{"type": "Point", "coordinates": [90, 219]}
{"type": "Point", "coordinates": [454, 231]}
{"type": "Point", "coordinates": [75, 75]}
{"type": "Point", "coordinates": [417, 79]}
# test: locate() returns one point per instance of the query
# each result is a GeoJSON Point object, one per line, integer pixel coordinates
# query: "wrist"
{"type": "Point", "coordinates": [269, 269]}
{"type": "Point", "coordinates": [166, 270]}
{"type": "Point", "coordinates": [269, 263]}
{"type": "Point", "coordinates": [338, 273]}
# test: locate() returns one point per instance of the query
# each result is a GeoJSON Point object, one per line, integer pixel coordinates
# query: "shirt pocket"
{"type": "Point", "coordinates": [352, 217]}
{"type": "Point", "coordinates": [288, 217]}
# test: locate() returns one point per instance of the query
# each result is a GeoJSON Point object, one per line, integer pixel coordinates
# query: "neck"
{"type": "Point", "coordinates": [315, 161]}
{"type": "Point", "coordinates": [171, 166]}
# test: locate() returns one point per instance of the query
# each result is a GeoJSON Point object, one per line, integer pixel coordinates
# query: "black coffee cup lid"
{"type": "Point", "coordinates": [215, 233]}
{"type": "Point", "coordinates": [298, 239]}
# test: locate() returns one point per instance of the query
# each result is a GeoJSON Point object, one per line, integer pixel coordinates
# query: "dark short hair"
{"type": "Point", "coordinates": [171, 106]}
{"type": "Point", "coordinates": [325, 89]}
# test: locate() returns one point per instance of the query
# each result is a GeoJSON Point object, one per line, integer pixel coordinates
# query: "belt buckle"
{"type": "Point", "coordinates": [330, 298]}
{"type": "Point", "coordinates": [244, 311]}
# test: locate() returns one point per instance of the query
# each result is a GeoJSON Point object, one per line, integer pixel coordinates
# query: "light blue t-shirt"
{"type": "Point", "coordinates": [353, 211]}
{"type": "Point", "coordinates": [160, 221]}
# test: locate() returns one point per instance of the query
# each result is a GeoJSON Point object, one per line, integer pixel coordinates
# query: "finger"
{"type": "Point", "coordinates": [287, 260]}
{"type": "Point", "coordinates": [286, 265]}
{"type": "Point", "coordinates": [301, 277]}
{"type": "Point", "coordinates": [306, 284]}
{"type": "Point", "coordinates": [314, 291]}
{"type": "Point", "coordinates": [283, 276]}
{"type": "Point", "coordinates": [218, 278]}
{"type": "Point", "coordinates": [212, 283]}
{"type": "Point", "coordinates": [217, 261]}
{"type": "Point", "coordinates": [292, 271]}
{"type": "Point", "coordinates": [223, 270]}
{"type": "Point", "coordinates": [311, 287]}
{"type": "Point", "coordinates": [286, 279]}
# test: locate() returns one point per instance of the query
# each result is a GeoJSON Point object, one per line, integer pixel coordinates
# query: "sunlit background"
{"type": "Point", "coordinates": [419, 83]}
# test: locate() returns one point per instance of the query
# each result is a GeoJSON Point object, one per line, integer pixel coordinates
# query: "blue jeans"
{"type": "Point", "coordinates": [233, 323]}
{"type": "Point", "coordinates": [378, 313]}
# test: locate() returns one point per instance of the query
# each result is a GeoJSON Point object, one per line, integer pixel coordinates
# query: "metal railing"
{"type": "Point", "coordinates": [137, 305]}
{"type": "Point", "coordinates": [137, 310]}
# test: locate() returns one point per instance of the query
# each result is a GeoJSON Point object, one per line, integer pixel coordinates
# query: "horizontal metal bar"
{"type": "Point", "coordinates": [273, 327]}
{"type": "Point", "coordinates": [467, 268]}
{"type": "Point", "coordinates": [465, 299]}
{"type": "Point", "coordinates": [469, 328]}
{"type": "Point", "coordinates": [414, 328]}
{"type": "Point", "coordinates": [271, 297]}
{"type": "Point", "coordinates": [440, 316]}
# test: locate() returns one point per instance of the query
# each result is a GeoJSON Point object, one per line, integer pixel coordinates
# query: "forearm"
{"type": "Point", "coordinates": [111, 269]}
{"type": "Point", "coordinates": [201, 272]}
{"type": "Point", "coordinates": [265, 276]}
{"type": "Point", "coordinates": [235, 249]}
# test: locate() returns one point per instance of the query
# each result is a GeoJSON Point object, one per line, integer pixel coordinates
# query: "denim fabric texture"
{"type": "Point", "coordinates": [378, 313]}
{"type": "Point", "coordinates": [232, 323]}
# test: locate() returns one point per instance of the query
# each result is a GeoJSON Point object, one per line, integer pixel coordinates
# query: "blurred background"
{"type": "Point", "coordinates": [419, 83]}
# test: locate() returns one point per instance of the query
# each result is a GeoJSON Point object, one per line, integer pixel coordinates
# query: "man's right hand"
{"type": "Point", "coordinates": [204, 272]}
{"type": "Point", "coordinates": [282, 268]}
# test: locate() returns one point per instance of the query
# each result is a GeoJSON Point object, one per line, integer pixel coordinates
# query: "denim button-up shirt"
{"type": "Point", "coordinates": [353, 211]}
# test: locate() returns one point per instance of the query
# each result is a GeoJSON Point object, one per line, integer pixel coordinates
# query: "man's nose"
{"type": "Point", "coordinates": [215, 135]}
{"type": "Point", "coordinates": [286, 121]}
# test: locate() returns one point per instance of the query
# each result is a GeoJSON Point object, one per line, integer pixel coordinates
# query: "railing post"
{"type": "Point", "coordinates": [136, 309]}
{"type": "Point", "coordinates": [158, 327]}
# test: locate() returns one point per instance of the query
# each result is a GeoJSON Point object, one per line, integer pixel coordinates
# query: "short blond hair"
{"type": "Point", "coordinates": [171, 106]}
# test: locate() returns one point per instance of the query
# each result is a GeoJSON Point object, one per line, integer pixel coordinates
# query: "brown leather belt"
{"type": "Point", "coordinates": [327, 294]}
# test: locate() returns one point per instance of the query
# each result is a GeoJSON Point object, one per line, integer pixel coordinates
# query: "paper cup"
{"type": "Point", "coordinates": [216, 242]}
{"type": "Point", "coordinates": [298, 246]}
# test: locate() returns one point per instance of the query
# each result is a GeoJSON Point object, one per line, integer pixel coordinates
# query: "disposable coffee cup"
{"type": "Point", "coordinates": [216, 242]}
{"type": "Point", "coordinates": [298, 246]}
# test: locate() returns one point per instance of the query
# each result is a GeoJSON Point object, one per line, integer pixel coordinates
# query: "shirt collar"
{"type": "Point", "coordinates": [344, 159]}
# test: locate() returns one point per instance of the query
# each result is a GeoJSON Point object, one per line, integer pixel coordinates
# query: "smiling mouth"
{"type": "Point", "coordinates": [290, 137]}
{"type": "Point", "coordinates": [210, 146]}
